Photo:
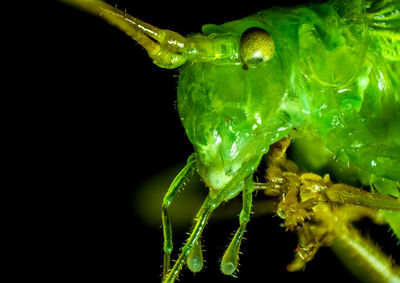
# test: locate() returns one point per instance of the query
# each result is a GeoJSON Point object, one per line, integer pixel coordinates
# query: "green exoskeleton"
{"type": "Point", "coordinates": [328, 72]}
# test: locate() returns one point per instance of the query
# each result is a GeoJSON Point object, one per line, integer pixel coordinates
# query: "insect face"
{"type": "Point", "coordinates": [232, 114]}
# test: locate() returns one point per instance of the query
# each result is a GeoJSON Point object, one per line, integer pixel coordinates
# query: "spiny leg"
{"type": "Point", "coordinates": [229, 261]}
{"type": "Point", "coordinates": [176, 185]}
{"type": "Point", "coordinates": [211, 203]}
{"type": "Point", "coordinates": [376, 264]}
{"type": "Point", "coordinates": [343, 193]}
{"type": "Point", "coordinates": [201, 219]}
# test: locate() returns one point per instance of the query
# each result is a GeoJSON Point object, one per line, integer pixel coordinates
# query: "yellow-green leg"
{"type": "Point", "coordinates": [229, 261]}
{"type": "Point", "coordinates": [202, 216]}
{"type": "Point", "coordinates": [176, 185]}
{"type": "Point", "coordinates": [201, 220]}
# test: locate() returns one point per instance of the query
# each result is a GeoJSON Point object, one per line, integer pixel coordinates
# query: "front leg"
{"type": "Point", "coordinates": [229, 261]}
{"type": "Point", "coordinates": [174, 188]}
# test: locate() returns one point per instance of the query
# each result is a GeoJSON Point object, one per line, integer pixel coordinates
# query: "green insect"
{"type": "Point", "coordinates": [326, 71]}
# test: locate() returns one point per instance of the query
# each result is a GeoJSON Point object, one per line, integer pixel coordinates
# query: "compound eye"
{"type": "Point", "coordinates": [256, 47]}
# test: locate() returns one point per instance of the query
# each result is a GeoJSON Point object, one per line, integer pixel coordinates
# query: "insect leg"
{"type": "Point", "coordinates": [229, 261]}
{"type": "Point", "coordinates": [270, 189]}
{"type": "Point", "coordinates": [176, 185]}
{"type": "Point", "coordinates": [347, 194]}
{"type": "Point", "coordinates": [201, 219]}
{"type": "Point", "coordinates": [378, 267]}
{"type": "Point", "coordinates": [211, 203]}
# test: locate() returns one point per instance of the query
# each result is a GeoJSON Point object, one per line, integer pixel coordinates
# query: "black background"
{"type": "Point", "coordinates": [97, 120]}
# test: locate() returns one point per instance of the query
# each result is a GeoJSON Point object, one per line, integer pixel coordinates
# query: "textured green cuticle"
{"type": "Point", "coordinates": [324, 75]}
{"type": "Point", "coordinates": [335, 74]}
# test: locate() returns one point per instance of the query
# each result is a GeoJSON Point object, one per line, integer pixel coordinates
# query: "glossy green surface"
{"type": "Point", "coordinates": [335, 75]}
{"type": "Point", "coordinates": [325, 74]}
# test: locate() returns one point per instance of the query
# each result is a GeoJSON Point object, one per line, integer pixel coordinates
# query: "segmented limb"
{"type": "Point", "coordinates": [318, 195]}
{"type": "Point", "coordinates": [229, 261]}
{"type": "Point", "coordinates": [377, 266]}
{"type": "Point", "coordinates": [202, 216]}
{"type": "Point", "coordinates": [347, 194]}
{"type": "Point", "coordinates": [211, 203]}
{"type": "Point", "coordinates": [269, 188]}
{"type": "Point", "coordinates": [176, 185]}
